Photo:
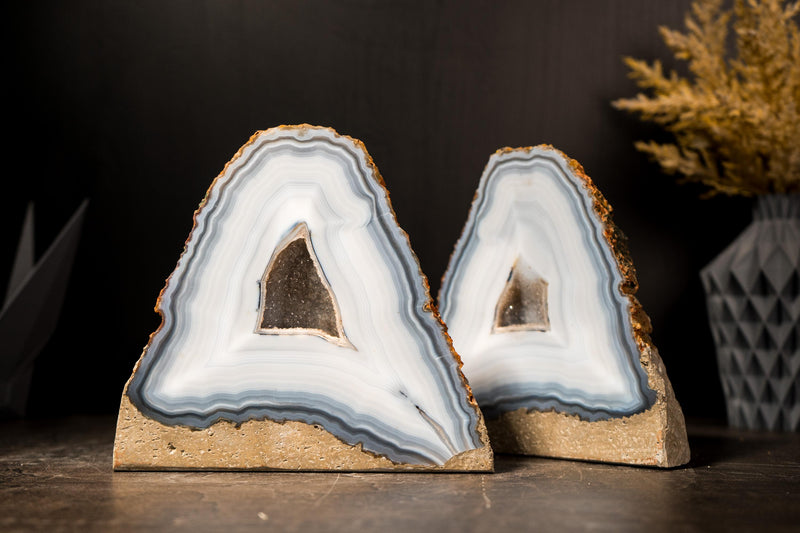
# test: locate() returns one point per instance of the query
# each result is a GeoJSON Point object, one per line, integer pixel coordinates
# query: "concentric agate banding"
{"type": "Point", "coordinates": [536, 206]}
{"type": "Point", "coordinates": [397, 390]}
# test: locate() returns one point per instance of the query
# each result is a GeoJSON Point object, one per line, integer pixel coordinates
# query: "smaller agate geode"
{"type": "Point", "coordinates": [539, 300]}
{"type": "Point", "coordinates": [297, 330]}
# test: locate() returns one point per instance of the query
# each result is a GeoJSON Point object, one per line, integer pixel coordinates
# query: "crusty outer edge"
{"type": "Point", "coordinates": [655, 437]}
{"type": "Point", "coordinates": [144, 444]}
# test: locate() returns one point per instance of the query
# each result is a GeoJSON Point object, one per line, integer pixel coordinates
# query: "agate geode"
{"type": "Point", "coordinates": [539, 299]}
{"type": "Point", "coordinates": [297, 329]}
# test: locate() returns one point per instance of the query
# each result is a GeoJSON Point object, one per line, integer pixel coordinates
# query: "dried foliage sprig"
{"type": "Point", "coordinates": [736, 122]}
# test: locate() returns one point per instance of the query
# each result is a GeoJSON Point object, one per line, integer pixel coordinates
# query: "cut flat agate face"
{"type": "Point", "coordinates": [298, 298]}
{"type": "Point", "coordinates": [532, 297]}
{"type": "Point", "coordinates": [539, 299]}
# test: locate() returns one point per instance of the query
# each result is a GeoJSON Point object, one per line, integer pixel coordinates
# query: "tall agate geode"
{"type": "Point", "coordinates": [539, 300]}
{"type": "Point", "coordinates": [297, 330]}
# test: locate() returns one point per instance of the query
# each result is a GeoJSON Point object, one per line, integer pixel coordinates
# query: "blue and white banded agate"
{"type": "Point", "coordinates": [531, 209]}
{"type": "Point", "coordinates": [394, 386]}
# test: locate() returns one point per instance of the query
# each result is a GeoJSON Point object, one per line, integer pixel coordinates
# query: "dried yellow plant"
{"type": "Point", "coordinates": [736, 122]}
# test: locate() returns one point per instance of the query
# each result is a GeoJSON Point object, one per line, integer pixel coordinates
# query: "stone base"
{"type": "Point", "coordinates": [656, 437]}
{"type": "Point", "coordinates": [145, 444]}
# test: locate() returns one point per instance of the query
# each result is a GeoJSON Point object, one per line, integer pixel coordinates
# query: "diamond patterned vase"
{"type": "Point", "coordinates": [753, 296]}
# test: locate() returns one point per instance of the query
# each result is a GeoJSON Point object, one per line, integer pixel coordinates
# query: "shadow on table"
{"type": "Point", "coordinates": [719, 444]}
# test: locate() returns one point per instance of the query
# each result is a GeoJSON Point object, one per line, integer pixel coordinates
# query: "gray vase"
{"type": "Point", "coordinates": [753, 296]}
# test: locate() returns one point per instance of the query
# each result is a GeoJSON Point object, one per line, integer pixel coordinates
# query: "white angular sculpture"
{"type": "Point", "coordinates": [297, 331]}
{"type": "Point", "coordinates": [539, 299]}
{"type": "Point", "coordinates": [32, 307]}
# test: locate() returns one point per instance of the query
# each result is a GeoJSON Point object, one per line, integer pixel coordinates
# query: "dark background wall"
{"type": "Point", "coordinates": [138, 106]}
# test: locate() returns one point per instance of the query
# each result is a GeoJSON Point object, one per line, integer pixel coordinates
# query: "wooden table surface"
{"type": "Point", "coordinates": [56, 476]}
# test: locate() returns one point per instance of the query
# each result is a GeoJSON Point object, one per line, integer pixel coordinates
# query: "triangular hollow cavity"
{"type": "Point", "coordinates": [523, 303]}
{"type": "Point", "coordinates": [296, 298]}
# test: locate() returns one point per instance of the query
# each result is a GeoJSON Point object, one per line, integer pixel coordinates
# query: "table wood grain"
{"type": "Point", "coordinates": [56, 476]}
